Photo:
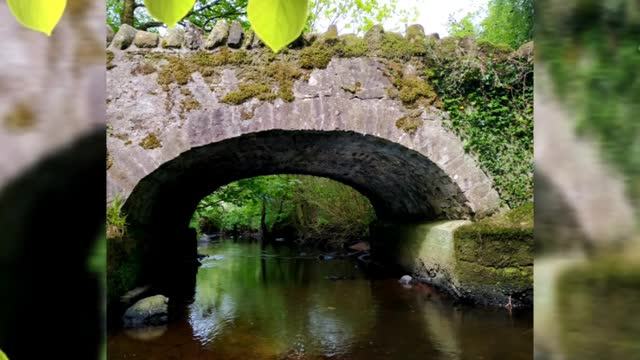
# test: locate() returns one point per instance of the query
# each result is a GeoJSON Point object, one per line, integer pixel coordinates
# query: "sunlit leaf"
{"type": "Point", "coordinates": [169, 11]}
{"type": "Point", "coordinates": [277, 22]}
{"type": "Point", "coordinates": [39, 15]}
{"type": "Point", "coordinates": [3, 356]}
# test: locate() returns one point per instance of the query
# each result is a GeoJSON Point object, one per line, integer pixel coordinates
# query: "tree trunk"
{"type": "Point", "coordinates": [263, 222]}
{"type": "Point", "coordinates": [128, 12]}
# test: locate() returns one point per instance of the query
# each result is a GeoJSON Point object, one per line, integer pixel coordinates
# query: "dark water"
{"type": "Point", "coordinates": [273, 303]}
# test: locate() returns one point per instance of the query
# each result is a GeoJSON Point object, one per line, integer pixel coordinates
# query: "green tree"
{"type": "Point", "coordinates": [508, 22]}
{"type": "Point", "coordinates": [463, 27]}
{"type": "Point", "coordinates": [204, 14]}
{"type": "Point", "coordinates": [357, 15]}
{"type": "Point", "coordinates": [318, 209]}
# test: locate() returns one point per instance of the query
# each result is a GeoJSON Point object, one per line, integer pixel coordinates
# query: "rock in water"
{"type": "Point", "coordinates": [148, 311]}
{"type": "Point", "coordinates": [406, 280]}
{"type": "Point", "coordinates": [361, 246]}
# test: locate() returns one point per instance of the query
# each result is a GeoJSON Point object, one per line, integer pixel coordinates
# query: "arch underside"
{"type": "Point", "coordinates": [402, 184]}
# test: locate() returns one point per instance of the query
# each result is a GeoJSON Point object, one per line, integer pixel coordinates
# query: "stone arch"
{"type": "Point", "coordinates": [402, 184]}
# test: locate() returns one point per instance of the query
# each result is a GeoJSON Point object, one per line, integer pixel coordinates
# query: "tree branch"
{"type": "Point", "coordinates": [150, 24]}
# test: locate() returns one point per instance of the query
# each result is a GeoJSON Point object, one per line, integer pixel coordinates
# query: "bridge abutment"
{"type": "Point", "coordinates": [480, 263]}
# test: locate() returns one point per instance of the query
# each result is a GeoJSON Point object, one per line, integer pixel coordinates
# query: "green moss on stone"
{"type": "Point", "coordinates": [110, 57]}
{"type": "Point", "coordinates": [189, 104]}
{"type": "Point", "coordinates": [356, 87]}
{"type": "Point", "coordinates": [490, 49]}
{"type": "Point", "coordinates": [410, 88]}
{"type": "Point", "coordinates": [409, 124]}
{"type": "Point", "coordinates": [284, 75]}
{"type": "Point", "coordinates": [109, 161]}
{"type": "Point", "coordinates": [150, 142]}
{"type": "Point", "coordinates": [247, 92]}
{"type": "Point", "coordinates": [124, 261]}
{"type": "Point", "coordinates": [180, 68]}
{"type": "Point", "coordinates": [143, 69]}
{"type": "Point", "coordinates": [20, 118]}
{"type": "Point", "coordinates": [494, 256]}
{"type": "Point", "coordinates": [500, 241]}
{"type": "Point", "coordinates": [352, 46]}
{"type": "Point", "coordinates": [177, 71]}
{"type": "Point", "coordinates": [317, 56]}
{"type": "Point", "coordinates": [246, 115]}
{"type": "Point", "coordinates": [395, 47]}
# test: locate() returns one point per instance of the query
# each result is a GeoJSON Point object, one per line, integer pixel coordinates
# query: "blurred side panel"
{"type": "Point", "coordinates": [52, 159]}
{"type": "Point", "coordinates": [587, 180]}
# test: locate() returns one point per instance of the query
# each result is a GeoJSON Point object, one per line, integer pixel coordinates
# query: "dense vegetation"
{"type": "Point", "coordinates": [310, 209]}
{"type": "Point", "coordinates": [488, 92]}
{"type": "Point", "coordinates": [508, 22]}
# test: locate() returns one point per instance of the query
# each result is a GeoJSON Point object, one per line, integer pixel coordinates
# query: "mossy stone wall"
{"type": "Point", "coordinates": [485, 262]}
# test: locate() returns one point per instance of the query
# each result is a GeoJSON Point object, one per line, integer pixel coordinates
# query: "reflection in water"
{"type": "Point", "coordinates": [273, 303]}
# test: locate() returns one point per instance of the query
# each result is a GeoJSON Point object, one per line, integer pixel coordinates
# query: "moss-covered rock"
{"type": "Point", "coordinates": [150, 142]}
{"type": "Point", "coordinates": [395, 47]}
{"type": "Point", "coordinates": [179, 69]}
{"type": "Point", "coordinates": [410, 88]}
{"type": "Point", "coordinates": [409, 124]}
{"type": "Point", "coordinates": [110, 57]}
{"type": "Point", "coordinates": [20, 118]}
{"type": "Point", "coordinates": [352, 46]}
{"type": "Point", "coordinates": [494, 256]}
{"type": "Point", "coordinates": [317, 56]}
{"type": "Point", "coordinates": [247, 92]}
{"type": "Point", "coordinates": [190, 103]}
{"type": "Point", "coordinates": [143, 68]}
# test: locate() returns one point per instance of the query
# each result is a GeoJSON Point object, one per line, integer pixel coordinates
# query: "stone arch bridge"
{"type": "Point", "coordinates": [188, 113]}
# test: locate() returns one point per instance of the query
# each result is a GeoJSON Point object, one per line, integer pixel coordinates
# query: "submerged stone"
{"type": "Point", "coordinates": [153, 310]}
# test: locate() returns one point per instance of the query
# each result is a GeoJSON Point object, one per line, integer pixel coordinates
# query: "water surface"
{"type": "Point", "coordinates": [254, 302]}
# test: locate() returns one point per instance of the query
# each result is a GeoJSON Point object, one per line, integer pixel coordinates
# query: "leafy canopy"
{"type": "Point", "coordinates": [508, 22]}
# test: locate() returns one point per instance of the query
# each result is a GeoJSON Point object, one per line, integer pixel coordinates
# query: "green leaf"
{"type": "Point", "coordinates": [169, 11]}
{"type": "Point", "coordinates": [277, 22]}
{"type": "Point", "coordinates": [39, 15]}
{"type": "Point", "coordinates": [3, 356]}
